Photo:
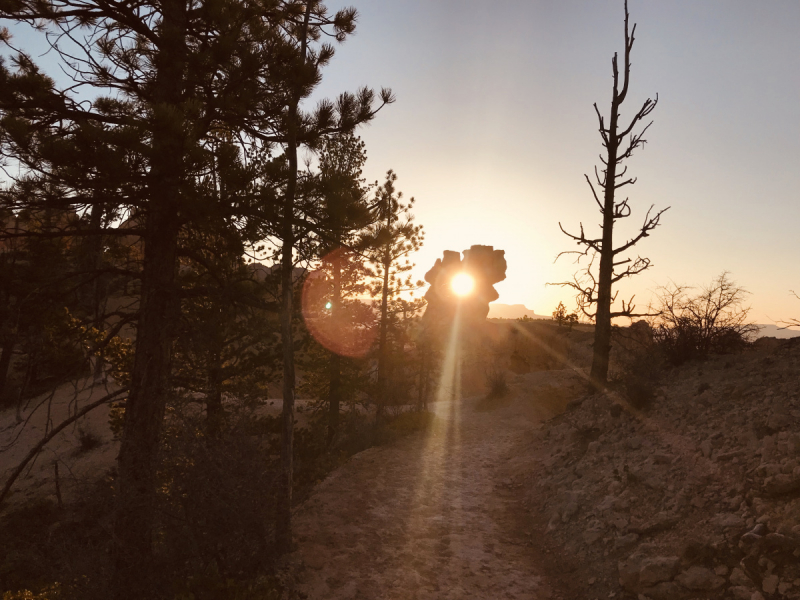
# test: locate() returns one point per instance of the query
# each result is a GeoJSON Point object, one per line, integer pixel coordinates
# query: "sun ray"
{"type": "Point", "coordinates": [439, 455]}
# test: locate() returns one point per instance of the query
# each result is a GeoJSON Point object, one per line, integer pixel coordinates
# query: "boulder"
{"type": "Point", "coordinates": [728, 521]}
{"type": "Point", "coordinates": [770, 584]}
{"type": "Point", "coordinates": [666, 590]}
{"type": "Point", "coordinates": [640, 572]}
{"type": "Point", "coordinates": [739, 578]}
{"type": "Point", "coordinates": [780, 484]}
{"type": "Point", "coordinates": [740, 592]}
{"type": "Point", "coordinates": [698, 578]}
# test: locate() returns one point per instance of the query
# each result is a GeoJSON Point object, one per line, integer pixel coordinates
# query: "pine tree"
{"type": "Point", "coordinates": [344, 213]}
{"type": "Point", "coordinates": [169, 77]}
{"type": "Point", "coordinates": [392, 238]}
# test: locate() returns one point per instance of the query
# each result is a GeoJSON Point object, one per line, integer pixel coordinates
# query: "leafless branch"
{"type": "Point", "coordinates": [650, 223]}
{"type": "Point", "coordinates": [594, 244]}
{"type": "Point", "coordinates": [50, 435]}
{"type": "Point", "coordinates": [594, 193]}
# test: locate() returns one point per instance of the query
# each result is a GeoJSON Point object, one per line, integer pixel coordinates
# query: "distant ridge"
{"type": "Point", "coordinates": [517, 311]}
{"type": "Point", "coordinates": [773, 331]}
{"type": "Point", "coordinates": [511, 311]}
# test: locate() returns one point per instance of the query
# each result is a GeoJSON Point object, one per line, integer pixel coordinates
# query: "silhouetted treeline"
{"type": "Point", "coordinates": [144, 191]}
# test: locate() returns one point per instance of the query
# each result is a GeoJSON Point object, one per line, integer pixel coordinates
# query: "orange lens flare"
{"type": "Point", "coordinates": [346, 327]}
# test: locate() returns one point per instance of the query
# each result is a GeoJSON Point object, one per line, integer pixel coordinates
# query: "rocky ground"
{"type": "Point", "coordinates": [697, 496]}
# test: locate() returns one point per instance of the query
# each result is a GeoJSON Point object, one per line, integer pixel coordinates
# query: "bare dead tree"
{"type": "Point", "coordinates": [595, 293]}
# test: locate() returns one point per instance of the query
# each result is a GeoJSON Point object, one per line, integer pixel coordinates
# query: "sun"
{"type": "Point", "coordinates": [462, 284]}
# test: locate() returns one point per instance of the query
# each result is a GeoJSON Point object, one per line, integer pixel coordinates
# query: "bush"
{"type": "Point", "coordinates": [638, 376]}
{"type": "Point", "coordinates": [214, 496]}
{"type": "Point", "coordinates": [715, 321]}
{"type": "Point", "coordinates": [497, 381]}
{"type": "Point", "coordinates": [88, 441]}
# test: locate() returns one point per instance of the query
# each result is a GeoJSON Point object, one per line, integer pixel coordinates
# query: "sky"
{"type": "Point", "coordinates": [493, 130]}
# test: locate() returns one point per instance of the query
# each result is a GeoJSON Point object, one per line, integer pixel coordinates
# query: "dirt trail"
{"type": "Point", "coordinates": [428, 517]}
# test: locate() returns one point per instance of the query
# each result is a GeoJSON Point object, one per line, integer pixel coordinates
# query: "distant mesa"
{"type": "Point", "coordinates": [776, 332]}
{"type": "Point", "coordinates": [512, 311]}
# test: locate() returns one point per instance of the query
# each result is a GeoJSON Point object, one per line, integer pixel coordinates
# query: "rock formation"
{"type": "Point", "coordinates": [484, 264]}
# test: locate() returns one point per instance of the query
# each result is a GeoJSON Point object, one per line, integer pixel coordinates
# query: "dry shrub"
{"type": "Point", "coordinates": [44, 543]}
{"type": "Point", "coordinates": [498, 390]}
{"type": "Point", "coordinates": [87, 441]}
{"type": "Point", "coordinates": [497, 382]}
{"type": "Point", "coordinates": [691, 327]}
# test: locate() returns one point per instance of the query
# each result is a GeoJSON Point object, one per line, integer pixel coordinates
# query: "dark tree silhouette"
{"type": "Point", "coordinates": [595, 290]}
{"type": "Point", "coordinates": [345, 211]}
{"type": "Point", "coordinates": [300, 129]}
{"type": "Point", "coordinates": [391, 239]}
{"type": "Point", "coordinates": [171, 79]}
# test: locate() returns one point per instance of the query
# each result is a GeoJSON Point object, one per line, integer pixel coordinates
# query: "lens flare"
{"type": "Point", "coordinates": [346, 331]}
{"type": "Point", "coordinates": [462, 284]}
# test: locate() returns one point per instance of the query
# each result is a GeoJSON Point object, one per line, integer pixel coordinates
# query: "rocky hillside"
{"type": "Point", "coordinates": [696, 496]}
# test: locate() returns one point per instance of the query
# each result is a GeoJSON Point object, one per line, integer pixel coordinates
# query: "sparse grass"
{"type": "Point", "coordinates": [497, 381]}
{"type": "Point", "coordinates": [498, 394]}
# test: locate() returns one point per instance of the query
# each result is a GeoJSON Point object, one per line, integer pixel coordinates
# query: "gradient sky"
{"type": "Point", "coordinates": [493, 129]}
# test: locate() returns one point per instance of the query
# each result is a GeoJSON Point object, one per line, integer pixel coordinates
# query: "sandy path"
{"type": "Point", "coordinates": [424, 518]}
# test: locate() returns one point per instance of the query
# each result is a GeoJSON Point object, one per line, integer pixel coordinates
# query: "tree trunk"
{"type": "Point", "coordinates": [283, 505]}
{"type": "Point", "coordinates": [214, 413]}
{"type": "Point", "coordinates": [423, 379]}
{"type": "Point", "coordinates": [335, 390]}
{"type": "Point", "coordinates": [6, 286]}
{"type": "Point", "coordinates": [283, 524]}
{"type": "Point", "coordinates": [383, 358]}
{"type": "Point", "coordinates": [144, 410]}
{"type": "Point", "coordinates": [5, 365]}
{"type": "Point", "coordinates": [93, 297]}
{"type": "Point", "coordinates": [602, 331]}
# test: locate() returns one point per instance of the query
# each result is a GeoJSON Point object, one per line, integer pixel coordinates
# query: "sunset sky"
{"type": "Point", "coordinates": [493, 129]}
